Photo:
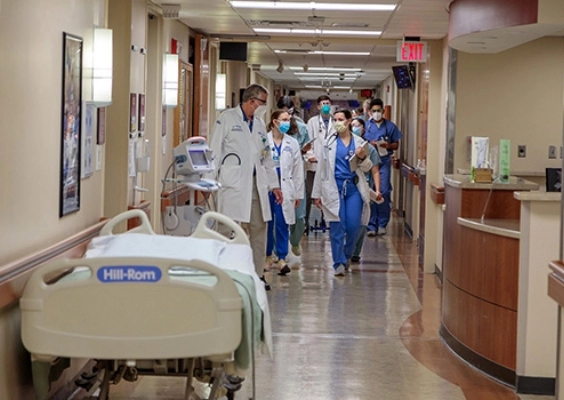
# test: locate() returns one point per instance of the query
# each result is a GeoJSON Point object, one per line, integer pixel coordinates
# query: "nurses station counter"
{"type": "Point", "coordinates": [482, 292]}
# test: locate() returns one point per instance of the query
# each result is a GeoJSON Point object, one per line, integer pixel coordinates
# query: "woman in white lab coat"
{"type": "Point", "coordinates": [341, 191]}
{"type": "Point", "coordinates": [287, 157]}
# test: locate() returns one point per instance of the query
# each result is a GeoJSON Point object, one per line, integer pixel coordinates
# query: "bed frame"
{"type": "Point", "coordinates": [144, 320]}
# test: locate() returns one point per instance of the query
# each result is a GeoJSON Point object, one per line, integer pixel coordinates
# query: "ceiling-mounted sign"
{"type": "Point", "coordinates": [409, 51]}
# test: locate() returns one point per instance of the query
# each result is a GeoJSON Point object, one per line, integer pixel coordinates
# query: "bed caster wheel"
{"type": "Point", "coordinates": [130, 374]}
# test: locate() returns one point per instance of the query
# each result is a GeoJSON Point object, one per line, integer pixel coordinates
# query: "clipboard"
{"type": "Point", "coordinates": [381, 151]}
{"type": "Point", "coordinates": [354, 162]}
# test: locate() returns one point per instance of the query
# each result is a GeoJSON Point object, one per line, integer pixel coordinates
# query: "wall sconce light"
{"type": "Point", "coordinates": [170, 81]}
{"type": "Point", "coordinates": [99, 68]}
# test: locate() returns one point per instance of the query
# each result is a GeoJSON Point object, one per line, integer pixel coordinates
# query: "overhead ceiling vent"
{"type": "Point", "coordinates": [348, 25]}
{"type": "Point", "coordinates": [276, 23]}
{"type": "Point", "coordinates": [171, 11]}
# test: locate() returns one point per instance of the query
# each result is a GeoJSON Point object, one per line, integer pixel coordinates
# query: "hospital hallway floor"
{"type": "Point", "coordinates": [371, 335]}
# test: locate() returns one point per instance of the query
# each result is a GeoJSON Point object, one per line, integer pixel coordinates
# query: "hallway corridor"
{"type": "Point", "coordinates": [370, 335]}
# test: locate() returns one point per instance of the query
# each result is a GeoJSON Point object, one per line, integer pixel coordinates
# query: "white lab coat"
{"type": "Point", "coordinates": [291, 175]}
{"type": "Point", "coordinates": [237, 152]}
{"type": "Point", "coordinates": [325, 185]}
{"type": "Point", "coordinates": [316, 129]}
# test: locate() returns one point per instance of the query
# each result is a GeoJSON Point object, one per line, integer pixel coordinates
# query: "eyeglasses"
{"type": "Point", "coordinates": [261, 100]}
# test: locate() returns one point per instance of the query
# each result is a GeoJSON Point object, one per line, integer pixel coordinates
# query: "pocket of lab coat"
{"type": "Point", "coordinates": [230, 176]}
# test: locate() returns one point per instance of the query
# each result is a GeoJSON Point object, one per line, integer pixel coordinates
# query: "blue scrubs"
{"type": "Point", "coordinates": [344, 232]}
{"type": "Point", "coordinates": [380, 213]}
{"type": "Point", "coordinates": [277, 226]}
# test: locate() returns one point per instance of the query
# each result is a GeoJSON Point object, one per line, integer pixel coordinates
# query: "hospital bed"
{"type": "Point", "coordinates": [142, 303]}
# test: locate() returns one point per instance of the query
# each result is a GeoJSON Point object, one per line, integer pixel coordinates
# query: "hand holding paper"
{"type": "Point", "coordinates": [381, 145]}
{"type": "Point", "coordinates": [355, 159]}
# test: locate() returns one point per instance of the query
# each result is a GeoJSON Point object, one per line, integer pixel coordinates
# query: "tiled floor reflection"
{"type": "Point", "coordinates": [370, 335]}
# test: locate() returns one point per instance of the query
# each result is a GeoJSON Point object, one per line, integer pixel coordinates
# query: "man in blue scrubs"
{"type": "Point", "coordinates": [384, 135]}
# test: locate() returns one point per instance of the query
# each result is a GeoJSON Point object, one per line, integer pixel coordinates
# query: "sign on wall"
{"type": "Point", "coordinates": [411, 51]}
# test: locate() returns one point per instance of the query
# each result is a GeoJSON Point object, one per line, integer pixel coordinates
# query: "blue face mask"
{"type": "Point", "coordinates": [325, 109]}
{"type": "Point", "coordinates": [357, 130]}
{"type": "Point", "coordinates": [284, 126]}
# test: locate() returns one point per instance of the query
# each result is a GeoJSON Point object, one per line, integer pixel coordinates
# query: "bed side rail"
{"type": "Point", "coordinates": [131, 308]}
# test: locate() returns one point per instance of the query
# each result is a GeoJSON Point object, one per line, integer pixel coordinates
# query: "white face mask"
{"type": "Point", "coordinates": [377, 116]}
{"type": "Point", "coordinates": [260, 110]}
{"type": "Point", "coordinates": [340, 127]}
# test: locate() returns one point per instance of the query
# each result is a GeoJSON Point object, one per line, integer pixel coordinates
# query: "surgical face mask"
{"type": "Point", "coordinates": [357, 130]}
{"type": "Point", "coordinates": [377, 116]}
{"type": "Point", "coordinates": [325, 109]}
{"type": "Point", "coordinates": [284, 126]}
{"type": "Point", "coordinates": [340, 127]}
{"type": "Point", "coordinates": [260, 110]}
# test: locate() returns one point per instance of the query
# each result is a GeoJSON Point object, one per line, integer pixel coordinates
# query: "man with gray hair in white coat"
{"type": "Point", "coordinates": [245, 169]}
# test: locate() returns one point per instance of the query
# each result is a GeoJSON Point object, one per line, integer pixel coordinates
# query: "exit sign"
{"type": "Point", "coordinates": [407, 51]}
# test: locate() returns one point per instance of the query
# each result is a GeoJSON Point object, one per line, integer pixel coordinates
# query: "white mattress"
{"type": "Point", "coordinates": [228, 256]}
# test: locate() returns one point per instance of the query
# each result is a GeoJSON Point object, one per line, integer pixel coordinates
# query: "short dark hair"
{"type": "Point", "coordinates": [376, 102]}
{"type": "Point", "coordinates": [360, 121]}
{"type": "Point", "coordinates": [348, 114]}
{"type": "Point", "coordinates": [323, 97]}
{"type": "Point", "coordinates": [285, 101]}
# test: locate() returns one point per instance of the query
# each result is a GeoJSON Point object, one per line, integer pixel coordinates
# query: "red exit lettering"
{"type": "Point", "coordinates": [412, 51]}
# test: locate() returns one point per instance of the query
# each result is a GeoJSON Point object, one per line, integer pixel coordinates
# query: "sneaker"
{"type": "Point", "coordinates": [371, 233]}
{"type": "Point", "coordinates": [284, 269]}
{"type": "Point", "coordinates": [268, 262]}
{"type": "Point", "coordinates": [355, 259]}
{"type": "Point", "coordinates": [340, 270]}
{"type": "Point", "coordinates": [275, 258]}
{"type": "Point", "coordinates": [381, 231]}
{"type": "Point", "coordinates": [266, 285]}
{"type": "Point", "coordinates": [297, 251]}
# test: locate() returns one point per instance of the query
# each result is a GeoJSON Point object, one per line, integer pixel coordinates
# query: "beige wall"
{"type": "Point", "coordinates": [516, 95]}
{"type": "Point", "coordinates": [30, 142]}
{"type": "Point", "coordinates": [435, 133]}
{"type": "Point", "coordinates": [30, 130]}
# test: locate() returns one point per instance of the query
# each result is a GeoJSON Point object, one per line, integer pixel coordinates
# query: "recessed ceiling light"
{"type": "Point", "coordinates": [316, 31]}
{"type": "Point", "coordinates": [341, 53]}
{"type": "Point", "coordinates": [329, 69]}
{"type": "Point", "coordinates": [294, 5]}
{"type": "Point", "coordinates": [323, 74]}
{"type": "Point", "coordinates": [326, 78]}
{"type": "Point", "coordinates": [324, 52]}
{"type": "Point", "coordinates": [323, 87]}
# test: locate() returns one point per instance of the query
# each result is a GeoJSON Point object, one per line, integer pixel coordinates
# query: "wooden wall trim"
{"type": "Point", "coordinates": [437, 194]}
{"type": "Point", "coordinates": [179, 196]}
{"type": "Point", "coordinates": [14, 275]}
{"type": "Point", "coordinates": [201, 85]}
{"type": "Point", "coordinates": [556, 282]}
{"type": "Point", "coordinates": [145, 206]}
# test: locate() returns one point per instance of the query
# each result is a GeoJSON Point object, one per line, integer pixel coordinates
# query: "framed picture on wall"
{"type": "Point", "coordinates": [71, 125]}
{"type": "Point", "coordinates": [141, 112]}
{"type": "Point", "coordinates": [163, 131]}
{"type": "Point", "coordinates": [87, 151]}
{"type": "Point", "coordinates": [101, 126]}
{"type": "Point", "coordinates": [132, 112]}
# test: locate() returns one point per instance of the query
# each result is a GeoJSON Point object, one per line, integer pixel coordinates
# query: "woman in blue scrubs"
{"type": "Point", "coordinates": [340, 189]}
